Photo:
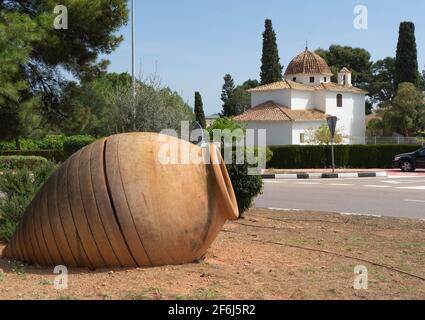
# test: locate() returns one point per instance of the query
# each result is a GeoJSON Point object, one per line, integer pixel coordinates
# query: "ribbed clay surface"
{"type": "Point", "coordinates": [113, 204]}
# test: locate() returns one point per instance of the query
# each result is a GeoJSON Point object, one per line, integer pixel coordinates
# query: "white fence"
{"type": "Point", "coordinates": [420, 141]}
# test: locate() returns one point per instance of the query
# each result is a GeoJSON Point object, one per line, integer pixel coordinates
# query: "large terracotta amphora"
{"type": "Point", "coordinates": [115, 203]}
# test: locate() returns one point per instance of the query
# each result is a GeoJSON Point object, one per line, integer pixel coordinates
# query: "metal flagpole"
{"type": "Point", "coordinates": [133, 51]}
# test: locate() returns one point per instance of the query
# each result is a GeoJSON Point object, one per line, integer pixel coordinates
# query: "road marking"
{"type": "Point", "coordinates": [340, 184]}
{"type": "Point", "coordinates": [309, 183]}
{"type": "Point", "coordinates": [392, 182]}
{"type": "Point", "coordinates": [410, 200]}
{"type": "Point", "coordinates": [376, 186]}
{"type": "Point", "coordinates": [412, 188]}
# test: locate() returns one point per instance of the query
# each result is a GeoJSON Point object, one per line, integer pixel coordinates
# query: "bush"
{"type": "Point", "coordinates": [52, 155]}
{"type": "Point", "coordinates": [26, 145]}
{"type": "Point", "coordinates": [346, 156]}
{"type": "Point", "coordinates": [19, 188]}
{"type": "Point", "coordinates": [74, 143]}
{"type": "Point", "coordinates": [246, 186]}
{"type": "Point", "coordinates": [50, 142]}
{"type": "Point", "coordinates": [20, 162]}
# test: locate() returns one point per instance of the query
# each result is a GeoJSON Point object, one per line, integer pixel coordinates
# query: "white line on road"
{"type": "Point", "coordinates": [376, 186]}
{"type": "Point", "coordinates": [340, 184]}
{"type": "Point", "coordinates": [309, 183]}
{"type": "Point", "coordinates": [411, 200]}
{"type": "Point", "coordinates": [412, 188]}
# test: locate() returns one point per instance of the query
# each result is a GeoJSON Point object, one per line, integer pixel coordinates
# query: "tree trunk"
{"type": "Point", "coordinates": [17, 142]}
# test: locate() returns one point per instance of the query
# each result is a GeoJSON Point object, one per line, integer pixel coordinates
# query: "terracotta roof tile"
{"type": "Point", "coordinates": [330, 86]}
{"type": "Point", "coordinates": [271, 111]}
{"type": "Point", "coordinates": [308, 62]}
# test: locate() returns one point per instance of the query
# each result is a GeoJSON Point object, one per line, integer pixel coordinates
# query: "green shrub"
{"type": "Point", "coordinates": [52, 155]}
{"type": "Point", "coordinates": [74, 143]}
{"type": "Point", "coordinates": [19, 188]}
{"type": "Point", "coordinates": [20, 162]}
{"type": "Point", "coordinates": [346, 156]}
{"type": "Point", "coordinates": [26, 145]}
{"type": "Point", "coordinates": [50, 142]}
{"type": "Point", "coordinates": [246, 186]}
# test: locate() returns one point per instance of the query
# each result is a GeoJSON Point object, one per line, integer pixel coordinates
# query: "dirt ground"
{"type": "Point", "coordinates": [267, 255]}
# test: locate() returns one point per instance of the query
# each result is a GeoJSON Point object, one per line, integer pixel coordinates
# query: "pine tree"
{"type": "Point", "coordinates": [271, 69]}
{"type": "Point", "coordinates": [199, 110]}
{"type": "Point", "coordinates": [406, 65]}
{"type": "Point", "coordinates": [227, 97]}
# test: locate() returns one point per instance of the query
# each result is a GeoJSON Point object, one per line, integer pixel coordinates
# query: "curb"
{"type": "Point", "coordinates": [325, 175]}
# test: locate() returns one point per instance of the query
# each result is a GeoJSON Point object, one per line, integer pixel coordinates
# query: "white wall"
{"type": "Point", "coordinates": [277, 132]}
{"type": "Point", "coordinates": [351, 116]}
{"type": "Point", "coordinates": [305, 78]}
{"type": "Point", "coordinates": [282, 97]}
{"type": "Point", "coordinates": [302, 100]}
{"type": "Point", "coordinates": [301, 127]}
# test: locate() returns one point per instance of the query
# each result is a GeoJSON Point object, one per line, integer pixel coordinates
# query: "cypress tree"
{"type": "Point", "coordinates": [199, 110]}
{"type": "Point", "coordinates": [406, 65]}
{"type": "Point", "coordinates": [271, 69]}
{"type": "Point", "coordinates": [227, 94]}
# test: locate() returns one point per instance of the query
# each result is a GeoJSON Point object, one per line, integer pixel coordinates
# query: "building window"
{"type": "Point", "coordinates": [339, 100]}
{"type": "Point", "coordinates": [294, 79]}
{"type": "Point", "coordinates": [311, 79]}
{"type": "Point", "coordinates": [325, 79]}
{"type": "Point", "coordinates": [302, 137]}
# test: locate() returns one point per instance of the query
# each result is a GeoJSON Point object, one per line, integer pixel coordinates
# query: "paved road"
{"type": "Point", "coordinates": [393, 197]}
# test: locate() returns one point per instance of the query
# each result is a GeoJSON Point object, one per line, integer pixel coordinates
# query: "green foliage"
{"type": "Point", "coordinates": [381, 88]}
{"type": "Point", "coordinates": [406, 114]}
{"type": "Point", "coordinates": [358, 60]}
{"type": "Point", "coordinates": [346, 156]}
{"type": "Point", "coordinates": [322, 136]}
{"type": "Point", "coordinates": [246, 186]}
{"type": "Point", "coordinates": [199, 110]}
{"type": "Point", "coordinates": [20, 162]}
{"type": "Point", "coordinates": [52, 155]}
{"type": "Point", "coordinates": [17, 32]}
{"type": "Point", "coordinates": [271, 69]}
{"type": "Point", "coordinates": [406, 63]}
{"type": "Point", "coordinates": [236, 100]}
{"type": "Point", "coordinates": [19, 187]}
{"type": "Point", "coordinates": [74, 143]}
{"type": "Point", "coordinates": [227, 91]}
{"type": "Point", "coordinates": [50, 142]}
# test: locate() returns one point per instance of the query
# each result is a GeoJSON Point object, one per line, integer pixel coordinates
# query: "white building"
{"type": "Point", "coordinates": [288, 109]}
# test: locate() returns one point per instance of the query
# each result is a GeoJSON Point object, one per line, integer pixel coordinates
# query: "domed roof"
{"type": "Point", "coordinates": [308, 62]}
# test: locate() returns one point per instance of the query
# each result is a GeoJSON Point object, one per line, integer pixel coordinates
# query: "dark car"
{"type": "Point", "coordinates": [409, 162]}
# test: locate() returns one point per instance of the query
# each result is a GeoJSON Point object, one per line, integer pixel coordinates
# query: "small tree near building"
{"type": "Point", "coordinates": [322, 136]}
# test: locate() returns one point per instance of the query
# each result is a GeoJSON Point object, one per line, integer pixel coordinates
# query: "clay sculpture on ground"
{"type": "Point", "coordinates": [114, 204]}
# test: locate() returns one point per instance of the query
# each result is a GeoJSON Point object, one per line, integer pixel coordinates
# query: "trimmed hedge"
{"type": "Point", "coordinates": [346, 156]}
{"type": "Point", "coordinates": [53, 155]}
{"type": "Point", "coordinates": [74, 143]}
{"type": "Point", "coordinates": [20, 162]}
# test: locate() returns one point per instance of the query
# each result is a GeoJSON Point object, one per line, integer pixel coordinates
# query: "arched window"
{"type": "Point", "coordinates": [339, 100]}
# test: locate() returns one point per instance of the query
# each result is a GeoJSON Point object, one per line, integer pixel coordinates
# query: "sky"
{"type": "Point", "coordinates": [191, 44]}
